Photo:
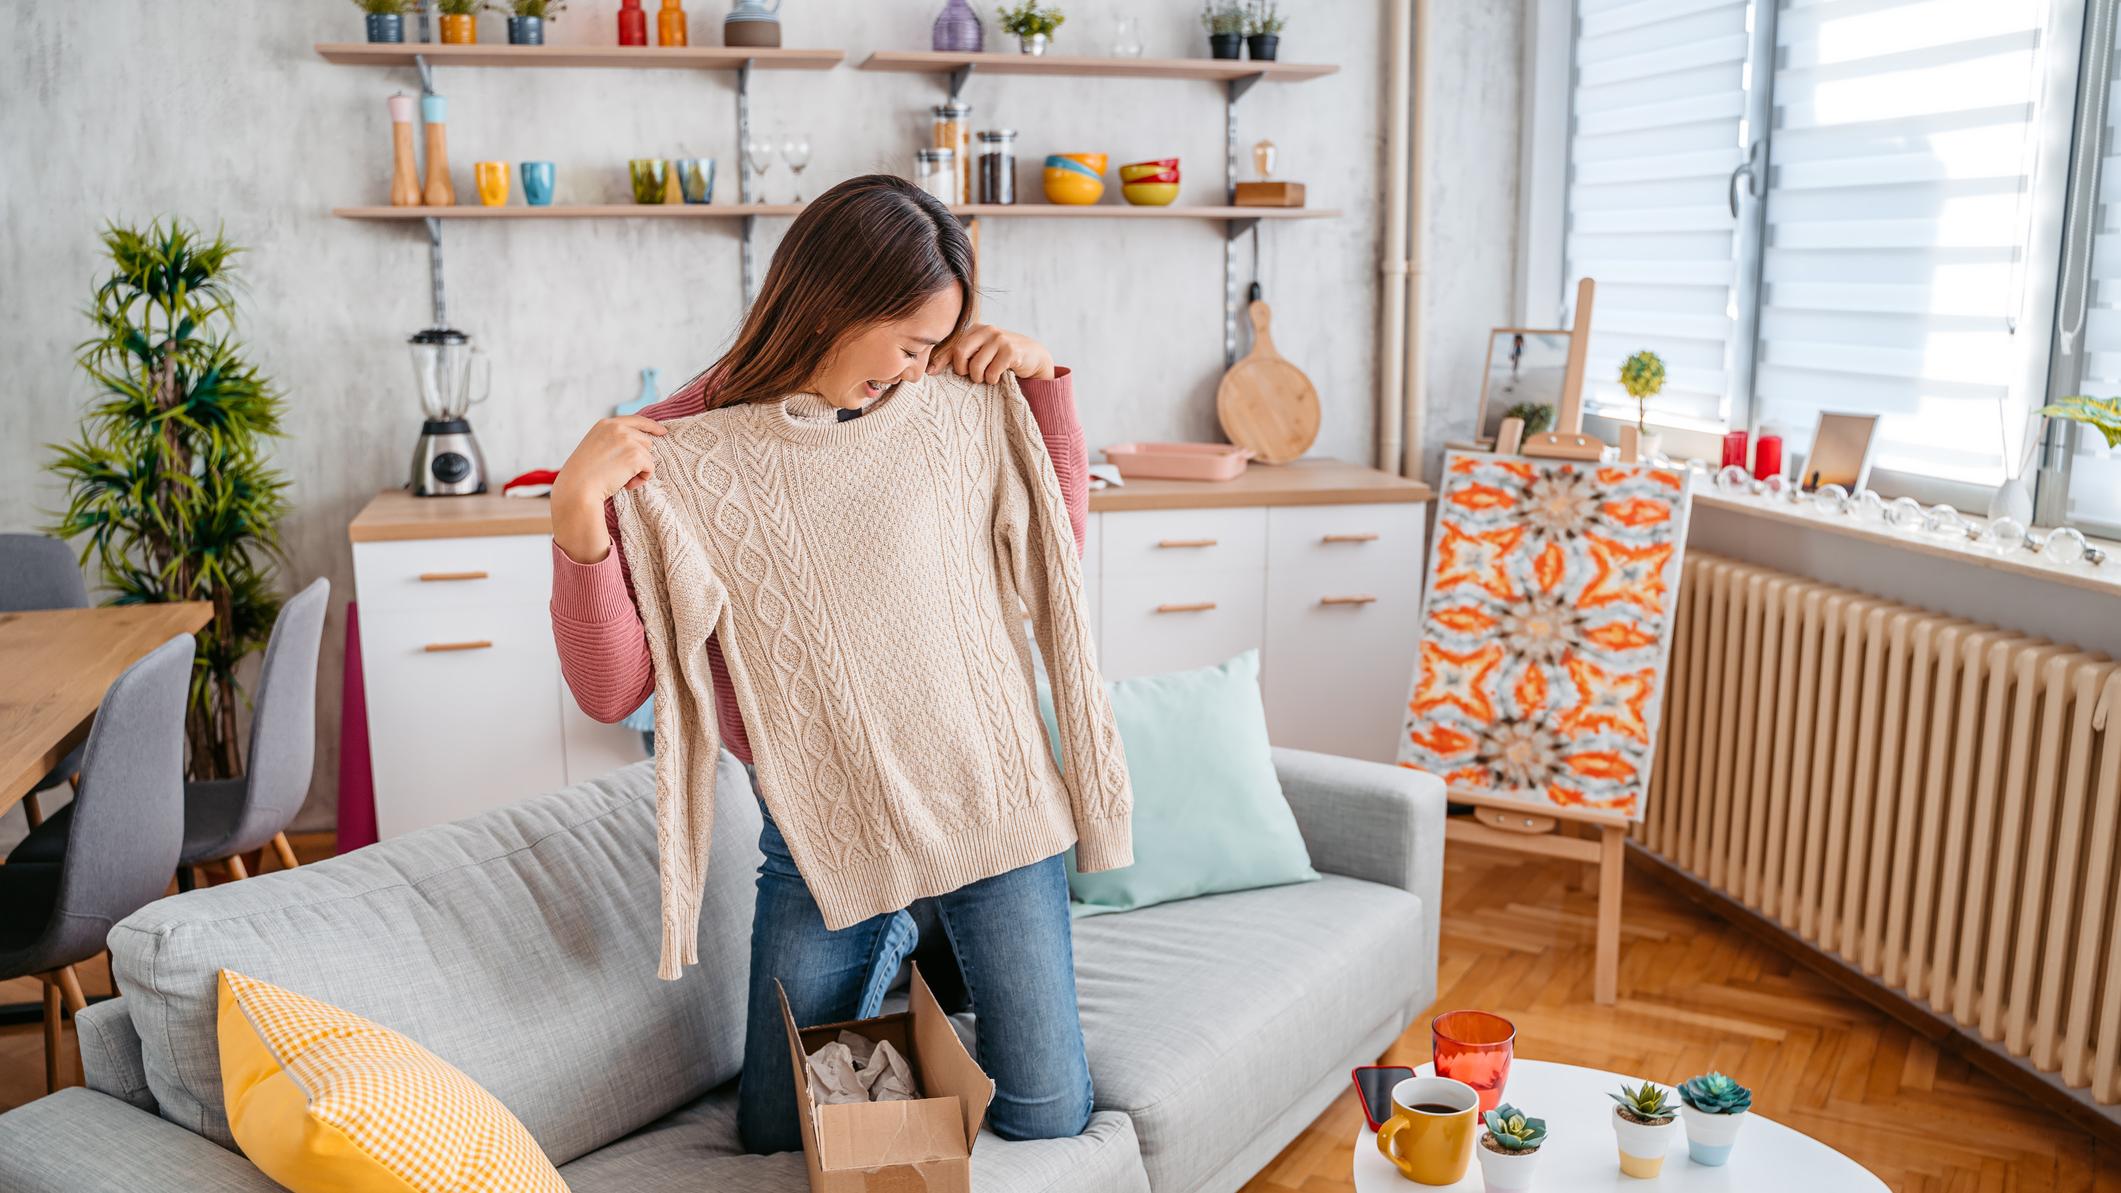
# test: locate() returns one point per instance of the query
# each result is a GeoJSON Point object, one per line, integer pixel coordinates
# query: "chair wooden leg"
{"type": "Point", "coordinates": [32, 810]}
{"type": "Point", "coordinates": [1611, 865]}
{"type": "Point", "coordinates": [235, 867]}
{"type": "Point", "coordinates": [51, 1034]}
{"type": "Point", "coordinates": [70, 987]}
{"type": "Point", "coordinates": [285, 850]}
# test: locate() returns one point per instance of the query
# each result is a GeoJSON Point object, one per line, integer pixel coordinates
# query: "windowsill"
{"type": "Point", "coordinates": [2103, 578]}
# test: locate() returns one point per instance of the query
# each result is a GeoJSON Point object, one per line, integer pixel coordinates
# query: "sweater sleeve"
{"type": "Point", "coordinates": [1031, 523]}
{"type": "Point", "coordinates": [681, 602]}
{"type": "Point", "coordinates": [1053, 405]}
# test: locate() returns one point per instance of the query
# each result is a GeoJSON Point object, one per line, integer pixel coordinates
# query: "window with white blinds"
{"type": "Point", "coordinates": [1657, 123]}
{"type": "Point", "coordinates": [1900, 216]}
{"type": "Point", "coordinates": [2095, 481]}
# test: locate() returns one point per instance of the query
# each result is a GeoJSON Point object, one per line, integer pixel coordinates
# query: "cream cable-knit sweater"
{"type": "Point", "coordinates": [867, 581]}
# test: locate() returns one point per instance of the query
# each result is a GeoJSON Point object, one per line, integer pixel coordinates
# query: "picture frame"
{"type": "Point", "coordinates": [1523, 364]}
{"type": "Point", "coordinates": [1840, 452]}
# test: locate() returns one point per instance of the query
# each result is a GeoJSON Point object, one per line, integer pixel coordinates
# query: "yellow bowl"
{"type": "Point", "coordinates": [1072, 188]}
{"type": "Point", "coordinates": [1096, 161]}
{"type": "Point", "coordinates": [1136, 171]}
{"type": "Point", "coordinates": [1149, 194]}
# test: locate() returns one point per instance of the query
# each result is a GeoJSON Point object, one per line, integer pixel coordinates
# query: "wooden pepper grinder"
{"type": "Point", "coordinates": [670, 24]}
{"type": "Point", "coordinates": [404, 171]}
{"type": "Point", "coordinates": [434, 114]}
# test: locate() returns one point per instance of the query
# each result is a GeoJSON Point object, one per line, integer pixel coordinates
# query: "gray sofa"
{"type": "Point", "coordinates": [520, 945]}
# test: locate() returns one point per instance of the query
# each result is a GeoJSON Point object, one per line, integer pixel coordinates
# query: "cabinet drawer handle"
{"type": "Point", "coordinates": [1361, 598]}
{"type": "Point", "coordinates": [1190, 607]}
{"type": "Point", "coordinates": [434, 577]}
{"type": "Point", "coordinates": [1353, 536]}
{"type": "Point", "coordinates": [440, 647]}
{"type": "Point", "coordinates": [1185, 542]}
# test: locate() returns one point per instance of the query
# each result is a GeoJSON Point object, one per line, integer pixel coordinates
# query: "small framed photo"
{"type": "Point", "coordinates": [1840, 453]}
{"type": "Point", "coordinates": [1526, 367]}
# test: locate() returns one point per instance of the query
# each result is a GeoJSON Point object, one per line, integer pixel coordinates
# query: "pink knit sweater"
{"type": "Point", "coordinates": [603, 647]}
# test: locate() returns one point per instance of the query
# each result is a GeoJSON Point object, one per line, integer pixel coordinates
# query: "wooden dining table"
{"type": "Point", "coordinates": [55, 666]}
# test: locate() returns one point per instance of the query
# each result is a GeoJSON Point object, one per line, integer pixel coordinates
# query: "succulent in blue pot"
{"type": "Point", "coordinates": [1509, 1148]}
{"type": "Point", "coordinates": [1715, 1107]}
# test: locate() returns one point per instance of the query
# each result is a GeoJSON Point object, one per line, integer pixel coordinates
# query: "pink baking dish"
{"type": "Point", "coordinates": [1179, 461]}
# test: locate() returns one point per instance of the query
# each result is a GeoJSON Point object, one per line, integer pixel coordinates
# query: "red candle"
{"type": "Point", "coordinates": [633, 24]}
{"type": "Point", "coordinates": [1767, 456]}
{"type": "Point", "coordinates": [1734, 449]}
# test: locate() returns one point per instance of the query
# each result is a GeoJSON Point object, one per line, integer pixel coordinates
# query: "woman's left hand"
{"type": "Point", "coordinates": [983, 352]}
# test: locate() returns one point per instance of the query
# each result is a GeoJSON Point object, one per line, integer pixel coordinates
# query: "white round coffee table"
{"type": "Point", "coordinates": [1580, 1154]}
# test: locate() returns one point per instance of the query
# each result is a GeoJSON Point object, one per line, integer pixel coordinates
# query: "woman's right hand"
{"type": "Point", "coordinates": [614, 455]}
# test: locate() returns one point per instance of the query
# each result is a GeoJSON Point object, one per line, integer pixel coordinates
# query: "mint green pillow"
{"type": "Point", "coordinates": [1209, 815]}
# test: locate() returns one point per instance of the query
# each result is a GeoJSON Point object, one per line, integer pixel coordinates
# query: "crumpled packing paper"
{"type": "Point", "coordinates": [855, 1069]}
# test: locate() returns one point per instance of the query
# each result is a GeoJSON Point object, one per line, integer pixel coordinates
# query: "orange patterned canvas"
{"type": "Point", "coordinates": [1546, 629]}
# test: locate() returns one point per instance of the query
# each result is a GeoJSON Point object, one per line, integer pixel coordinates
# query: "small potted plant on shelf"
{"type": "Point", "coordinates": [1642, 375]}
{"type": "Point", "coordinates": [386, 19]}
{"type": "Point", "coordinates": [1031, 24]}
{"type": "Point", "coordinates": [1263, 30]}
{"type": "Point", "coordinates": [1714, 1107]}
{"type": "Point", "coordinates": [460, 21]}
{"type": "Point", "coordinates": [526, 18]}
{"type": "Point", "coordinates": [1644, 1121]}
{"type": "Point", "coordinates": [1509, 1149]}
{"type": "Point", "coordinates": [1225, 22]}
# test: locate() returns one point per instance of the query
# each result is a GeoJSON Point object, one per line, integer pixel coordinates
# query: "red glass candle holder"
{"type": "Point", "coordinates": [1734, 445]}
{"type": "Point", "coordinates": [1474, 1047]}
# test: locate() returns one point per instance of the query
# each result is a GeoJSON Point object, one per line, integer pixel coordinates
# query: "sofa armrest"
{"type": "Point", "coordinates": [110, 1053]}
{"type": "Point", "coordinates": [1373, 821]}
{"type": "Point", "coordinates": [80, 1141]}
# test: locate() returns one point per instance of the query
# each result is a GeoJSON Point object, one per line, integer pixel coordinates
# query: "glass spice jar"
{"type": "Point", "coordinates": [953, 131]}
{"type": "Point", "coordinates": [935, 171]}
{"type": "Point", "coordinates": [997, 165]}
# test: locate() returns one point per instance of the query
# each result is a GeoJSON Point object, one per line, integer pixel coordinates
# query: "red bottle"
{"type": "Point", "coordinates": [633, 24]}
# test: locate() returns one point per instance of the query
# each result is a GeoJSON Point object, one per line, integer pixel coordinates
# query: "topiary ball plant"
{"type": "Point", "coordinates": [1511, 1131]}
{"type": "Point", "coordinates": [1642, 375]}
{"type": "Point", "coordinates": [1714, 1093]}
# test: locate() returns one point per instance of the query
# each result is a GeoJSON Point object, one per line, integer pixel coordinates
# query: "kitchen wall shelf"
{"type": "Point", "coordinates": [625, 211]}
{"type": "Point", "coordinates": [1238, 72]}
{"type": "Point", "coordinates": [618, 57]}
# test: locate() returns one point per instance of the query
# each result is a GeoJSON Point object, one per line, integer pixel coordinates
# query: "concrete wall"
{"type": "Point", "coordinates": [223, 114]}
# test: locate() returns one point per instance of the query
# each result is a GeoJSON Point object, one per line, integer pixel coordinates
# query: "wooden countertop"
{"type": "Point", "coordinates": [395, 515]}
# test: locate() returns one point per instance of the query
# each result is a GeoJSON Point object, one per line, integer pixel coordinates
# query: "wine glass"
{"type": "Point", "coordinates": [759, 149]}
{"type": "Point", "coordinates": [795, 150]}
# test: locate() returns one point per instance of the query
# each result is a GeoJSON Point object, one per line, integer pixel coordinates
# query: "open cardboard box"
{"type": "Point", "coordinates": [885, 1147]}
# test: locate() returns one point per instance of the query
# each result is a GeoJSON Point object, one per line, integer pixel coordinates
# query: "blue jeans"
{"type": "Point", "coordinates": [1010, 936]}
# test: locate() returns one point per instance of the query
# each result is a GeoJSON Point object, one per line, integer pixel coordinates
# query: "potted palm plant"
{"type": "Point", "coordinates": [1225, 23]}
{"type": "Point", "coordinates": [167, 485]}
{"type": "Point", "coordinates": [460, 21]}
{"type": "Point", "coordinates": [386, 19]}
{"type": "Point", "coordinates": [526, 18]}
{"type": "Point", "coordinates": [1714, 1107]}
{"type": "Point", "coordinates": [1032, 26]}
{"type": "Point", "coordinates": [1263, 30]}
{"type": "Point", "coordinates": [1644, 1121]}
{"type": "Point", "coordinates": [1509, 1148]}
{"type": "Point", "coordinates": [1642, 375]}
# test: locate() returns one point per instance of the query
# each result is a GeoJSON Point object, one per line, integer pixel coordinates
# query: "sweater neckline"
{"type": "Point", "coordinates": [808, 418]}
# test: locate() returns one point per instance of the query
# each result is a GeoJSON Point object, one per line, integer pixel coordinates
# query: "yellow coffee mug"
{"type": "Point", "coordinates": [492, 179]}
{"type": "Point", "coordinates": [1429, 1137]}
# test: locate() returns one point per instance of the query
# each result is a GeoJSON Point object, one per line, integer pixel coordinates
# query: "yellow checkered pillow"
{"type": "Point", "coordinates": [324, 1101]}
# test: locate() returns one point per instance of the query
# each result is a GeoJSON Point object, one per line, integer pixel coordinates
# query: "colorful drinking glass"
{"type": "Point", "coordinates": [651, 177]}
{"type": "Point", "coordinates": [1474, 1047]}
{"type": "Point", "coordinates": [537, 183]}
{"type": "Point", "coordinates": [696, 179]}
{"type": "Point", "coordinates": [492, 179]}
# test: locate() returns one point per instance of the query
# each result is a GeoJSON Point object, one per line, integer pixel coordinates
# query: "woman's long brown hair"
{"type": "Point", "coordinates": [867, 251]}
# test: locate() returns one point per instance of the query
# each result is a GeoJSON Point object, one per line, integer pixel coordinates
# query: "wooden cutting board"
{"type": "Point", "coordinates": [1264, 402]}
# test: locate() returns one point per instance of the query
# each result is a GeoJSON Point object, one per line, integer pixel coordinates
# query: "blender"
{"type": "Point", "coordinates": [452, 377]}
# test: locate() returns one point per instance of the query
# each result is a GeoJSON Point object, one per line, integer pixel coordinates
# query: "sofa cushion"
{"type": "Point", "coordinates": [1204, 1019]}
{"type": "Point", "coordinates": [696, 1148]}
{"type": "Point", "coordinates": [519, 945]}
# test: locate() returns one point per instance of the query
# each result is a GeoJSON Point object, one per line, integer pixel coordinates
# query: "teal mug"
{"type": "Point", "coordinates": [537, 183]}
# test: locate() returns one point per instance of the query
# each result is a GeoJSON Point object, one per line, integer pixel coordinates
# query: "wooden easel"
{"type": "Point", "coordinates": [1595, 839]}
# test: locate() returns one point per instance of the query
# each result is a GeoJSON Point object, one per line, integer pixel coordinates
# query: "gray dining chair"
{"type": "Point", "coordinates": [225, 818]}
{"type": "Point", "coordinates": [40, 572]}
{"type": "Point", "coordinates": [128, 828]}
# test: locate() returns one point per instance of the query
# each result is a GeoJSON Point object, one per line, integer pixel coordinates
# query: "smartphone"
{"type": "Point", "coordinates": [1374, 1083]}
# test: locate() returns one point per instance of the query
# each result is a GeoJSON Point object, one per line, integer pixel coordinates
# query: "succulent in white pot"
{"type": "Point", "coordinates": [1509, 1148]}
{"type": "Point", "coordinates": [1714, 1107]}
{"type": "Point", "coordinates": [1644, 1123]}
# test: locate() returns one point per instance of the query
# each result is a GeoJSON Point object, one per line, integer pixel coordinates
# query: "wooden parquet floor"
{"type": "Point", "coordinates": [1695, 994]}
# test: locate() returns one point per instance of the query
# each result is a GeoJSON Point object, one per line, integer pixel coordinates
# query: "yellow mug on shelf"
{"type": "Point", "coordinates": [492, 179]}
{"type": "Point", "coordinates": [1429, 1137]}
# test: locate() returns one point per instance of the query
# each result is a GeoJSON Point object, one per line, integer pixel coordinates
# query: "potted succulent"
{"type": "Point", "coordinates": [460, 21]}
{"type": "Point", "coordinates": [1263, 30]}
{"type": "Point", "coordinates": [1644, 1121]}
{"type": "Point", "coordinates": [526, 18]}
{"type": "Point", "coordinates": [1509, 1149]}
{"type": "Point", "coordinates": [1031, 24]}
{"type": "Point", "coordinates": [1714, 1107]}
{"type": "Point", "coordinates": [1642, 375]}
{"type": "Point", "coordinates": [386, 19]}
{"type": "Point", "coordinates": [1225, 22]}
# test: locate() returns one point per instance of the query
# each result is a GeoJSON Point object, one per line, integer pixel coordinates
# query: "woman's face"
{"type": "Point", "coordinates": [863, 364]}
